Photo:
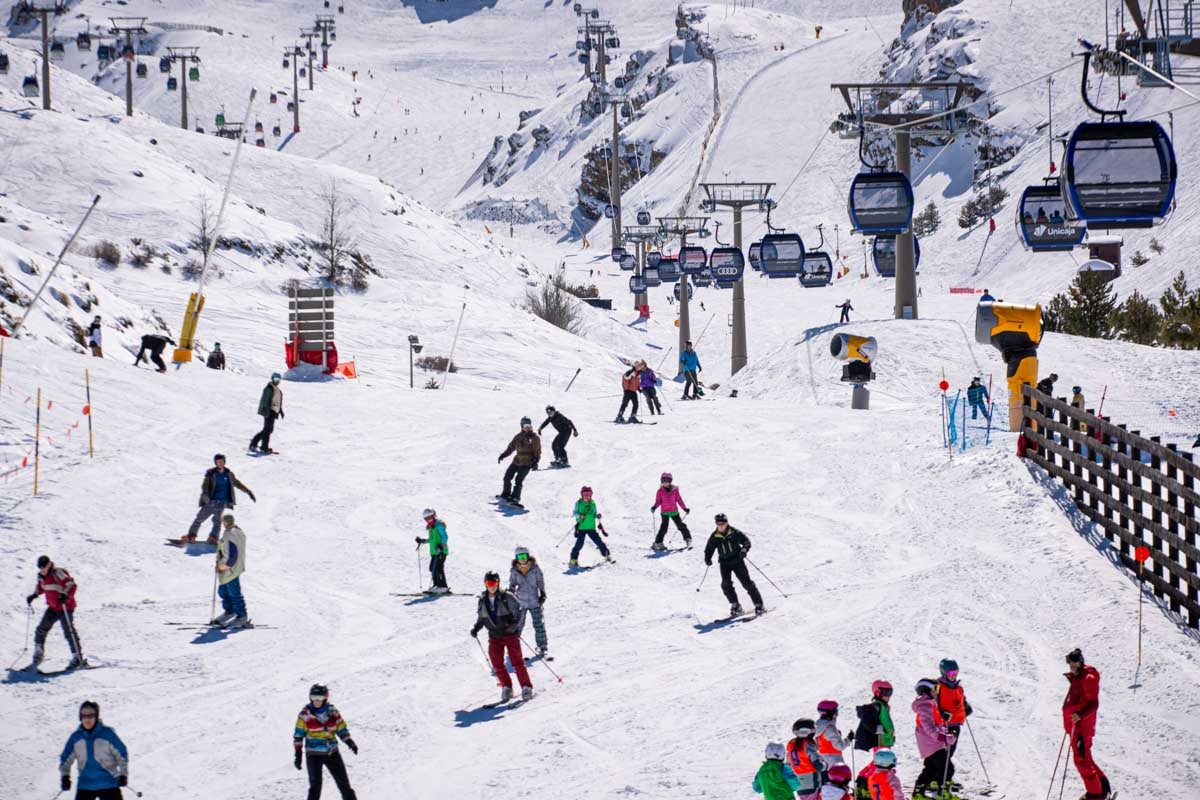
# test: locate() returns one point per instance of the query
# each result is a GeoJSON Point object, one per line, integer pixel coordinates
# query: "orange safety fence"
{"type": "Point", "coordinates": [60, 418]}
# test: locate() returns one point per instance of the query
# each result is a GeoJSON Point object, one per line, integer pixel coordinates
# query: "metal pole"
{"type": "Point", "coordinates": [738, 354]}
{"type": "Point", "coordinates": [614, 164]}
{"type": "Point", "coordinates": [906, 273]}
{"type": "Point", "coordinates": [685, 321]}
{"type": "Point", "coordinates": [183, 117]}
{"type": "Point", "coordinates": [587, 38]}
{"type": "Point", "coordinates": [641, 298]}
{"type": "Point", "coordinates": [410, 366]}
{"type": "Point", "coordinates": [295, 90]}
{"type": "Point", "coordinates": [129, 77]}
{"type": "Point", "coordinates": [600, 57]}
{"type": "Point", "coordinates": [45, 62]}
{"type": "Point", "coordinates": [310, 66]}
{"type": "Point", "coordinates": [454, 344]}
{"type": "Point", "coordinates": [324, 47]}
{"type": "Point", "coordinates": [87, 382]}
{"type": "Point", "coordinates": [17, 325]}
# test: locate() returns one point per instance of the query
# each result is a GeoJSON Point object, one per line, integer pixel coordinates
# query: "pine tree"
{"type": "Point", "coordinates": [927, 221]}
{"type": "Point", "coordinates": [1137, 320]}
{"type": "Point", "coordinates": [1181, 315]}
{"type": "Point", "coordinates": [1090, 307]}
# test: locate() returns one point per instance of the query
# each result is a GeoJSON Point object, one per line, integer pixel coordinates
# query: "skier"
{"type": "Point", "coordinates": [270, 408]}
{"type": "Point", "coordinates": [952, 704]}
{"type": "Point", "coordinates": [884, 784]}
{"type": "Point", "coordinates": [439, 548]}
{"type": "Point", "coordinates": [318, 728]}
{"type": "Point", "coordinates": [217, 493]}
{"type": "Point", "coordinates": [59, 587]}
{"type": "Point", "coordinates": [527, 446]}
{"type": "Point", "coordinates": [155, 344]}
{"type": "Point", "coordinates": [731, 547]}
{"type": "Point", "coordinates": [1046, 385]}
{"type": "Point", "coordinates": [101, 755]}
{"type": "Point", "coordinates": [775, 779]}
{"type": "Point", "coordinates": [986, 297]}
{"type": "Point", "coordinates": [648, 382]}
{"type": "Point", "coordinates": [875, 728]}
{"type": "Point", "coordinates": [1079, 719]}
{"type": "Point", "coordinates": [527, 584]}
{"type": "Point", "coordinates": [670, 501]}
{"type": "Point", "coordinates": [231, 563]}
{"type": "Point", "coordinates": [829, 740]}
{"type": "Point", "coordinates": [500, 613]}
{"type": "Point", "coordinates": [565, 429]}
{"type": "Point", "coordinates": [586, 522]}
{"type": "Point", "coordinates": [216, 359]}
{"type": "Point", "coordinates": [94, 337]}
{"type": "Point", "coordinates": [846, 309]}
{"type": "Point", "coordinates": [630, 384]}
{"type": "Point", "coordinates": [934, 740]}
{"type": "Point", "coordinates": [838, 786]}
{"type": "Point", "coordinates": [977, 396]}
{"type": "Point", "coordinates": [689, 365]}
{"type": "Point", "coordinates": [805, 760]}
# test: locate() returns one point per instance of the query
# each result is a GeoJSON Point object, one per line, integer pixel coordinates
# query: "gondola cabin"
{"type": "Point", "coordinates": [194, 74]}
{"type": "Point", "coordinates": [1042, 220]}
{"type": "Point", "coordinates": [883, 255]}
{"type": "Point", "coordinates": [880, 203]}
{"type": "Point", "coordinates": [83, 40]}
{"type": "Point", "coordinates": [617, 254]}
{"type": "Point", "coordinates": [172, 83]}
{"type": "Point", "coordinates": [141, 70]}
{"type": "Point", "coordinates": [164, 63]}
{"type": "Point", "coordinates": [29, 86]}
{"type": "Point", "coordinates": [636, 284]}
{"type": "Point", "coordinates": [3, 63]}
{"type": "Point", "coordinates": [726, 266]}
{"type": "Point", "coordinates": [781, 255]}
{"type": "Point", "coordinates": [57, 51]}
{"type": "Point", "coordinates": [643, 218]}
{"type": "Point", "coordinates": [628, 263]}
{"type": "Point", "coordinates": [610, 211]}
{"type": "Point", "coordinates": [668, 269]}
{"type": "Point", "coordinates": [753, 255]}
{"type": "Point", "coordinates": [651, 277]}
{"type": "Point", "coordinates": [691, 291]}
{"type": "Point", "coordinates": [693, 260]}
{"type": "Point", "coordinates": [818, 269]}
{"type": "Point", "coordinates": [1119, 174]}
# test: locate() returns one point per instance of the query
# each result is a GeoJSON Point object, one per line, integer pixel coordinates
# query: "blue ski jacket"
{"type": "Point", "coordinates": [101, 755]}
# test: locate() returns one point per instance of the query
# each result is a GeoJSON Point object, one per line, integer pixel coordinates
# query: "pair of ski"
{"type": "Point", "coordinates": [587, 567]}
{"type": "Point", "coordinates": [745, 616]}
{"type": "Point", "coordinates": [962, 793]}
{"type": "Point", "coordinates": [632, 422]}
{"type": "Point", "coordinates": [63, 671]}
{"type": "Point", "coordinates": [501, 500]}
{"type": "Point", "coordinates": [507, 705]}
{"type": "Point", "coordinates": [209, 626]}
{"type": "Point", "coordinates": [430, 594]}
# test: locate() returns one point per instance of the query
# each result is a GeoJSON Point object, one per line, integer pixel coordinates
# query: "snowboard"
{"type": "Point", "coordinates": [559, 466]}
{"type": "Point", "coordinates": [189, 543]}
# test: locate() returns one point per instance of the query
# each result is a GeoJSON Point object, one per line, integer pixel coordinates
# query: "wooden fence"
{"type": "Point", "coordinates": [1138, 490]}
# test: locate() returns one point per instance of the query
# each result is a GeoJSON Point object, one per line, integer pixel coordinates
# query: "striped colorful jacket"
{"type": "Point", "coordinates": [318, 729]}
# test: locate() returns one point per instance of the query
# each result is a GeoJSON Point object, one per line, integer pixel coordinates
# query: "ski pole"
{"type": "Point", "coordinates": [972, 734]}
{"type": "Point", "coordinates": [542, 661]}
{"type": "Point", "coordinates": [1062, 787]}
{"type": "Point", "coordinates": [212, 611]}
{"type": "Point", "coordinates": [69, 623]}
{"type": "Point", "coordinates": [564, 536]}
{"type": "Point", "coordinates": [492, 670]}
{"type": "Point", "coordinates": [1057, 759]}
{"type": "Point", "coordinates": [707, 567]}
{"type": "Point", "coordinates": [420, 583]}
{"type": "Point", "coordinates": [25, 649]}
{"type": "Point", "coordinates": [760, 572]}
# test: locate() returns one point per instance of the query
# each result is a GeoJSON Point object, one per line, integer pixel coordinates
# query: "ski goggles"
{"type": "Point", "coordinates": [522, 556]}
{"type": "Point", "coordinates": [315, 697]}
{"type": "Point", "coordinates": [491, 584]}
{"type": "Point", "coordinates": [88, 715]}
{"type": "Point", "coordinates": [588, 493]}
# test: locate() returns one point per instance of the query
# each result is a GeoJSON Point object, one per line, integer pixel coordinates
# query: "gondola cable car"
{"type": "Point", "coordinates": [880, 201]}
{"type": "Point", "coordinates": [818, 266]}
{"type": "Point", "coordinates": [780, 254]}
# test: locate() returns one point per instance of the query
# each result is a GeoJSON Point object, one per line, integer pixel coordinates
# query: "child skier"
{"type": "Point", "coordinates": [829, 740]}
{"type": "Point", "coordinates": [649, 384]}
{"type": "Point", "coordinates": [731, 546]}
{"type": "Point", "coordinates": [586, 522]}
{"type": "Point", "coordinates": [439, 548]}
{"type": "Point", "coordinates": [775, 779]}
{"type": "Point", "coordinates": [528, 585]}
{"type": "Point", "coordinates": [528, 448]}
{"type": "Point", "coordinates": [933, 740]}
{"type": "Point", "coordinates": [838, 787]}
{"type": "Point", "coordinates": [500, 613]}
{"type": "Point", "coordinates": [231, 563]}
{"type": "Point", "coordinates": [59, 587]}
{"type": "Point", "coordinates": [875, 728]}
{"type": "Point", "coordinates": [670, 501]}
{"type": "Point", "coordinates": [805, 760]}
{"type": "Point", "coordinates": [318, 728]}
{"type": "Point", "coordinates": [630, 384]}
{"type": "Point", "coordinates": [101, 755]}
{"type": "Point", "coordinates": [884, 784]}
{"type": "Point", "coordinates": [952, 704]}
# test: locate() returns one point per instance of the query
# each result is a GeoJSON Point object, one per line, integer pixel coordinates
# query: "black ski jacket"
{"type": "Point", "coordinates": [731, 547]}
{"type": "Point", "coordinates": [560, 423]}
{"type": "Point", "coordinates": [502, 619]}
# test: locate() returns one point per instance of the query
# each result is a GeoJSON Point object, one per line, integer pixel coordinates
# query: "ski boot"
{"type": "Point", "coordinates": [574, 562]}
{"type": "Point", "coordinates": [609, 559]}
{"type": "Point", "coordinates": [620, 420]}
{"type": "Point", "coordinates": [505, 694]}
{"type": "Point", "coordinates": [240, 622]}
{"type": "Point", "coordinates": [212, 540]}
{"type": "Point", "coordinates": [633, 420]}
{"type": "Point", "coordinates": [223, 619]}
{"type": "Point", "coordinates": [687, 542]}
{"type": "Point", "coordinates": [735, 610]}
{"type": "Point", "coordinates": [526, 692]}
{"type": "Point", "coordinates": [658, 547]}
{"type": "Point", "coordinates": [542, 650]}
{"type": "Point", "coordinates": [759, 610]}
{"type": "Point", "coordinates": [77, 661]}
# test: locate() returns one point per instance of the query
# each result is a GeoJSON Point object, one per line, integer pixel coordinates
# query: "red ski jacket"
{"type": "Point", "coordinates": [57, 581]}
{"type": "Point", "coordinates": [1083, 698]}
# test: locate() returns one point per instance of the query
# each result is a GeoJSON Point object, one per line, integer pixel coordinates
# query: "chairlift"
{"type": "Point", "coordinates": [611, 211]}
{"type": "Point", "coordinates": [57, 51]}
{"type": "Point", "coordinates": [29, 86]}
{"type": "Point", "coordinates": [691, 291]}
{"type": "Point", "coordinates": [693, 260]}
{"type": "Point", "coordinates": [643, 218]}
{"type": "Point", "coordinates": [1119, 174]}
{"type": "Point", "coordinates": [818, 269]}
{"type": "Point", "coordinates": [668, 269]}
{"type": "Point", "coordinates": [3, 63]}
{"type": "Point", "coordinates": [127, 53]}
{"type": "Point", "coordinates": [141, 69]}
{"type": "Point", "coordinates": [781, 255]}
{"type": "Point", "coordinates": [617, 254]}
{"type": "Point", "coordinates": [883, 255]}
{"type": "Point", "coordinates": [753, 256]}
{"type": "Point", "coordinates": [1042, 220]}
{"type": "Point", "coordinates": [651, 275]}
{"type": "Point", "coordinates": [637, 284]}
{"type": "Point", "coordinates": [164, 63]}
{"type": "Point", "coordinates": [653, 258]}
{"type": "Point", "coordinates": [276, 131]}
{"type": "Point", "coordinates": [726, 265]}
{"type": "Point", "coordinates": [194, 74]}
{"type": "Point", "coordinates": [880, 202]}
{"type": "Point", "coordinates": [260, 142]}
{"type": "Point", "coordinates": [172, 83]}
{"type": "Point", "coordinates": [83, 40]}
{"type": "Point", "coordinates": [628, 263]}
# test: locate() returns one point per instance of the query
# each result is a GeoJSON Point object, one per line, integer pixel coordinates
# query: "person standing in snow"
{"type": "Point", "coordinates": [154, 344]}
{"type": "Point", "coordinates": [217, 493]}
{"type": "Point", "coordinates": [231, 563]}
{"type": "Point", "coordinates": [1078, 402]}
{"type": "Point", "coordinates": [95, 337]}
{"type": "Point", "coordinates": [270, 408]}
{"type": "Point", "coordinates": [884, 783]}
{"type": "Point", "coordinates": [689, 365]}
{"type": "Point", "coordinates": [500, 613]}
{"type": "Point", "coordinates": [528, 585]}
{"type": "Point", "coordinates": [805, 760]}
{"type": "Point", "coordinates": [986, 297]}
{"type": "Point", "coordinates": [101, 755]}
{"type": "Point", "coordinates": [1079, 712]}
{"type": "Point", "coordinates": [830, 743]}
{"type": "Point", "coordinates": [977, 396]}
{"type": "Point", "coordinates": [527, 446]}
{"type": "Point", "coordinates": [933, 740]}
{"type": "Point", "coordinates": [59, 587]}
{"type": "Point", "coordinates": [875, 728]}
{"type": "Point", "coordinates": [670, 501]}
{"type": "Point", "coordinates": [630, 384]}
{"type": "Point", "coordinates": [648, 382]}
{"type": "Point", "coordinates": [216, 359]}
{"type": "Point", "coordinates": [586, 522]}
{"type": "Point", "coordinates": [439, 548]}
{"type": "Point", "coordinates": [731, 546]}
{"type": "Point", "coordinates": [564, 430]}
{"type": "Point", "coordinates": [318, 728]}
{"type": "Point", "coordinates": [952, 704]}
{"type": "Point", "coordinates": [846, 309]}
{"type": "Point", "coordinates": [775, 779]}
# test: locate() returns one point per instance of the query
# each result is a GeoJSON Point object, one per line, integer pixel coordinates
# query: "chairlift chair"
{"type": "Point", "coordinates": [1043, 222]}
{"type": "Point", "coordinates": [83, 40]}
{"type": "Point", "coordinates": [164, 63]}
{"type": "Point", "coordinates": [753, 256]}
{"type": "Point", "coordinates": [617, 254]}
{"type": "Point", "coordinates": [818, 269]}
{"type": "Point", "coordinates": [3, 63]}
{"type": "Point", "coordinates": [880, 202]}
{"type": "Point", "coordinates": [781, 255]}
{"type": "Point", "coordinates": [668, 269]}
{"type": "Point", "coordinates": [194, 74]}
{"type": "Point", "coordinates": [172, 83]}
{"type": "Point", "coordinates": [628, 263]}
{"type": "Point", "coordinates": [141, 69]}
{"type": "Point", "coordinates": [1119, 174]}
{"type": "Point", "coordinates": [883, 255]}
{"type": "Point", "coordinates": [651, 276]}
{"type": "Point", "coordinates": [57, 51]}
{"type": "Point", "coordinates": [693, 260]}
{"type": "Point", "coordinates": [29, 86]}
{"type": "Point", "coordinates": [643, 218]}
{"type": "Point", "coordinates": [726, 265]}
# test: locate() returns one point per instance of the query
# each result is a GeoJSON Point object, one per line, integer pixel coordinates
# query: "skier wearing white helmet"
{"type": "Point", "coordinates": [775, 779]}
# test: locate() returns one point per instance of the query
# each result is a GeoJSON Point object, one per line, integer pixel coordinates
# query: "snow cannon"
{"type": "Point", "coordinates": [1015, 331]}
{"type": "Point", "coordinates": [858, 352]}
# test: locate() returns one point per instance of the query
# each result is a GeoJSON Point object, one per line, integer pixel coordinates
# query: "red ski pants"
{"type": "Point", "coordinates": [512, 644]}
{"type": "Point", "coordinates": [1094, 782]}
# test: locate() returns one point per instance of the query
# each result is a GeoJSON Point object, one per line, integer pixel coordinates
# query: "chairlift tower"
{"type": "Point", "coordinates": [614, 170]}
{"type": "Point", "coordinates": [45, 10]}
{"type": "Point", "coordinates": [185, 56]}
{"type": "Point", "coordinates": [602, 29]}
{"type": "Point", "coordinates": [872, 104]}
{"type": "Point", "coordinates": [642, 237]}
{"type": "Point", "coordinates": [736, 197]}
{"type": "Point", "coordinates": [292, 54]}
{"type": "Point", "coordinates": [128, 26]}
{"type": "Point", "coordinates": [586, 30]}
{"type": "Point", "coordinates": [326, 25]}
{"type": "Point", "coordinates": [308, 36]}
{"type": "Point", "coordinates": [683, 227]}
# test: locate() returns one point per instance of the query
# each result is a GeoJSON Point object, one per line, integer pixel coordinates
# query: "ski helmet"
{"type": "Point", "coordinates": [319, 690]}
{"type": "Point", "coordinates": [1075, 657]}
{"type": "Point", "coordinates": [720, 518]}
{"type": "Point", "coordinates": [884, 759]}
{"type": "Point", "coordinates": [840, 773]}
{"type": "Point", "coordinates": [775, 752]}
{"type": "Point", "coordinates": [491, 577]}
{"type": "Point", "coordinates": [227, 515]}
{"type": "Point", "coordinates": [218, 457]}
{"type": "Point", "coordinates": [429, 513]}
{"type": "Point", "coordinates": [804, 727]}
{"type": "Point", "coordinates": [92, 704]}
{"type": "Point", "coordinates": [1077, 389]}
{"type": "Point", "coordinates": [926, 686]}
{"type": "Point", "coordinates": [880, 687]}
{"type": "Point", "coordinates": [585, 490]}
{"type": "Point", "coordinates": [44, 561]}
{"type": "Point", "coordinates": [521, 551]}
{"type": "Point", "coordinates": [526, 421]}
{"type": "Point", "coordinates": [666, 476]}
{"type": "Point", "coordinates": [827, 705]}
{"type": "Point", "coordinates": [549, 409]}
{"type": "Point", "coordinates": [948, 665]}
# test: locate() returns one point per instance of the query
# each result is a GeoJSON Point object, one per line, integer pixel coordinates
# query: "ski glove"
{"type": "Point", "coordinates": [281, 413]}
{"type": "Point", "coordinates": [474, 633]}
{"type": "Point", "coordinates": [252, 497]}
{"type": "Point", "coordinates": [123, 781]}
{"type": "Point", "coordinates": [541, 599]}
{"type": "Point", "coordinates": [421, 541]}
{"type": "Point", "coordinates": [62, 599]}
{"type": "Point", "coordinates": [29, 600]}
{"type": "Point", "coordinates": [708, 562]}
{"type": "Point", "coordinates": [65, 783]}
{"type": "Point", "coordinates": [535, 466]}
{"type": "Point", "coordinates": [500, 460]}
{"type": "Point", "coordinates": [850, 736]}
{"type": "Point", "coordinates": [353, 747]}
{"type": "Point", "coordinates": [299, 755]}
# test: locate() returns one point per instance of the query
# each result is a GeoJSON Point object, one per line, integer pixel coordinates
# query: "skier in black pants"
{"type": "Point", "coordinates": [528, 448]}
{"type": "Point", "coordinates": [155, 344]}
{"type": "Point", "coordinates": [565, 428]}
{"type": "Point", "coordinates": [731, 547]}
{"type": "Point", "coordinates": [846, 309]}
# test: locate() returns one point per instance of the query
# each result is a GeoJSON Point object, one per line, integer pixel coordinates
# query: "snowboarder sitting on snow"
{"type": "Point", "coordinates": [689, 365]}
{"type": "Point", "coordinates": [775, 779]}
{"type": "Point", "coordinates": [101, 755]}
{"type": "Point", "coordinates": [59, 587]}
{"type": "Point", "coordinates": [731, 547]}
{"type": "Point", "coordinates": [586, 522]}
{"type": "Point", "coordinates": [500, 613]}
{"type": "Point", "coordinates": [933, 739]}
{"type": "Point", "coordinates": [977, 396]}
{"type": "Point", "coordinates": [564, 430]}
{"type": "Point", "coordinates": [439, 548]}
{"type": "Point", "coordinates": [883, 783]}
{"type": "Point", "coordinates": [952, 704]}
{"type": "Point", "coordinates": [231, 563]}
{"type": "Point", "coordinates": [875, 728]}
{"type": "Point", "coordinates": [318, 728]}
{"type": "Point", "coordinates": [631, 382]}
{"type": "Point", "coordinates": [155, 344]}
{"type": "Point", "coordinates": [838, 786]}
{"type": "Point", "coordinates": [829, 740]}
{"type": "Point", "coordinates": [216, 359]}
{"type": "Point", "coordinates": [270, 408]}
{"type": "Point", "coordinates": [216, 494]}
{"type": "Point", "coordinates": [805, 760]}
{"type": "Point", "coordinates": [670, 501]}
{"type": "Point", "coordinates": [528, 585]}
{"type": "Point", "coordinates": [649, 382]}
{"type": "Point", "coordinates": [528, 448]}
